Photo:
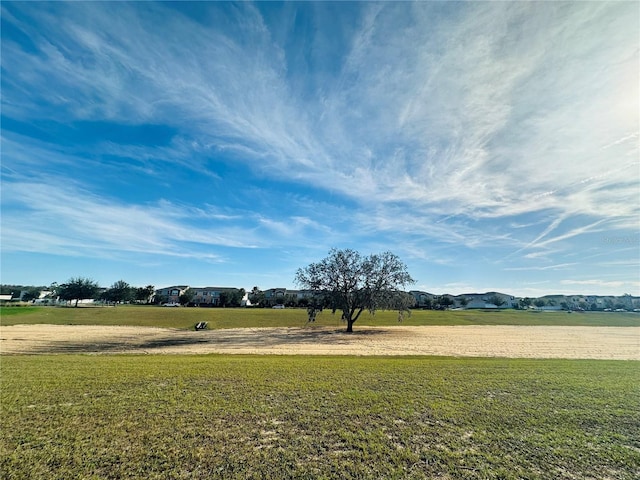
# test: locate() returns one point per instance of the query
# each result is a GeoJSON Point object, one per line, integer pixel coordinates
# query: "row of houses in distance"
{"type": "Point", "coordinates": [493, 300]}
{"type": "Point", "coordinates": [218, 296]}
{"type": "Point", "coordinates": [201, 296]}
{"type": "Point", "coordinates": [230, 296]}
{"type": "Point", "coordinates": [236, 297]}
{"type": "Point", "coordinates": [214, 296]}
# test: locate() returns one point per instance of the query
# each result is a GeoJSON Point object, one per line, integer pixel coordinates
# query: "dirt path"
{"type": "Point", "coordinates": [621, 343]}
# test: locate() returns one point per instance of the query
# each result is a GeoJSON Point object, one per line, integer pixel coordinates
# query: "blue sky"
{"type": "Point", "coordinates": [492, 146]}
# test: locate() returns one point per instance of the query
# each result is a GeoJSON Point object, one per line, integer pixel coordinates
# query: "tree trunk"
{"type": "Point", "coordinates": [351, 319]}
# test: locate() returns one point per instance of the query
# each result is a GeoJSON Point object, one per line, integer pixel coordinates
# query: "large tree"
{"type": "Point", "coordinates": [353, 283]}
{"type": "Point", "coordinates": [77, 289]}
{"type": "Point", "coordinates": [231, 297]}
{"type": "Point", "coordinates": [186, 298]}
{"type": "Point", "coordinates": [256, 297]}
{"type": "Point", "coordinates": [120, 291]}
{"type": "Point", "coordinates": [144, 294]}
{"type": "Point", "coordinates": [31, 294]}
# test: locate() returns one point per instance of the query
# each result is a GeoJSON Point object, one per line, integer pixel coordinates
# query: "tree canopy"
{"type": "Point", "coordinates": [31, 294]}
{"type": "Point", "coordinates": [257, 296]}
{"type": "Point", "coordinates": [77, 289]}
{"type": "Point", "coordinates": [187, 297]}
{"type": "Point", "coordinates": [232, 297]}
{"type": "Point", "coordinates": [120, 291]}
{"type": "Point", "coordinates": [144, 294]}
{"type": "Point", "coordinates": [353, 283]}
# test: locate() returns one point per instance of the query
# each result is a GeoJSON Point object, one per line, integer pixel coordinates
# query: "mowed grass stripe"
{"type": "Point", "coordinates": [318, 417]}
{"type": "Point", "coordinates": [170, 317]}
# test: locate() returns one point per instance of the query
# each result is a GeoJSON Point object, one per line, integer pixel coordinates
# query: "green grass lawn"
{"type": "Point", "coordinates": [247, 317]}
{"type": "Point", "coordinates": [239, 417]}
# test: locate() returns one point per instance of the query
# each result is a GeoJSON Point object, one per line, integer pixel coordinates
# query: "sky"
{"type": "Point", "coordinates": [491, 146]}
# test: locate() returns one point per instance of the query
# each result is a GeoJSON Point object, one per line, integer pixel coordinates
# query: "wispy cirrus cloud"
{"type": "Point", "coordinates": [59, 215]}
{"type": "Point", "coordinates": [601, 283]}
{"type": "Point", "coordinates": [414, 125]}
{"type": "Point", "coordinates": [560, 266]}
{"type": "Point", "coordinates": [68, 221]}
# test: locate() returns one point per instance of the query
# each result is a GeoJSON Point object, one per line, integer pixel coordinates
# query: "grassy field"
{"type": "Point", "coordinates": [242, 317]}
{"type": "Point", "coordinates": [318, 417]}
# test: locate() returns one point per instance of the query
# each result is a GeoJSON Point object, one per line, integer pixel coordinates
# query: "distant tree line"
{"type": "Point", "coordinates": [317, 278]}
{"type": "Point", "coordinates": [80, 288]}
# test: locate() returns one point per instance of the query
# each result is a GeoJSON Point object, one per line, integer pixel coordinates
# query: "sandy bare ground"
{"type": "Point", "coordinates": [622, 343]}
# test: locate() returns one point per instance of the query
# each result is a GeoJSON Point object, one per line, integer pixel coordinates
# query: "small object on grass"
{"type": "Point", "coordinates": [201, 325]}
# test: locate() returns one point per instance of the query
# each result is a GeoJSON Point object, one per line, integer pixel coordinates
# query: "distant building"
{"type": "Point", "coordinates": [171, 294]}
{"type": "Point", "coordinates": [275, 293]}
{"type": "Point", "coordinates": [211, 296]}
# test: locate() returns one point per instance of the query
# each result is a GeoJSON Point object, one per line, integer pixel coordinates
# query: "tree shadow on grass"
{"type": "Point", "coordinates": [61, 347]}
{"type": "Point", "coordinates": [226, 339]}
{"type": "Point", "coordinates": [280, 337]}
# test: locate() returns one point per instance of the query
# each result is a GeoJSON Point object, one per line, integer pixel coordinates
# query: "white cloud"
{"type": "Point", "coordinates": [60, 217]}
{"type": "Point", "coordinates": [560, 266]}
{"type": "Point", "coordinates": [487, 125]}
{"type": "Point", "coordinates": [600, 283]}
{"type": "Point", "coordinates": [474, 115]}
